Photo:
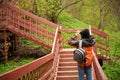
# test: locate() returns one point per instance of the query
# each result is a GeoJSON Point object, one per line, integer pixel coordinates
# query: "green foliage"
{"type": "Point", "coordinates": [28, 43]}
{"type": "Point", "coordinates": [68, 22]}
{"type": "Point", "coordinates": [114, 44]}
{"type": "Point", "coordinates": [86, 11]}
{"type": "Point", "coordinates": [24, 4]}
{"type": "Point", "coordinates": [12, 64]}
{"type": "Point", "coordinates": [112, 68]}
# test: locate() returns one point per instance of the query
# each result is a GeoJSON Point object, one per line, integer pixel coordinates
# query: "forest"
{"type": "Point", "coordinates": [74, 14]}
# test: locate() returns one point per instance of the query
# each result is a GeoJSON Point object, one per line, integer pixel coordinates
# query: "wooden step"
{"type": "Point", "coordinates": [67, 68]}
{"type": "Point", "coordinates": [67, 51]}
{"type": "Point", "coordinates": [75, 77]}
{"type": "Point", "coordinates": [66, 60]}
{"type": "Point", "coordinates": [68, 63]}
{"type": "Point", "coordinates": [67, 73]}
{"type": "Point", "coordinates": [66, 55]}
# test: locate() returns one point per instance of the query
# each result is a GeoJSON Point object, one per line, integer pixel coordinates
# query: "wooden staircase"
{"type": "Point", "coordinates": [67, 67]}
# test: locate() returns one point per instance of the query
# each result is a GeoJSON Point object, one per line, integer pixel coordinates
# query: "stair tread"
{"type": "Point", "coordinates": [67, 58]}
{"type": "Point", "coordinates": [68, 76]}
{"type": "Point", "coordinates": [67, 49]}
{"type": "Point", "coordinates": [66, 54]}
{"type": "Point", "coordinates": [67, 66]}
{"type": "Point", "coordinates": [68, 62]}
{"type": "Point", "coordinates": [68, 71]}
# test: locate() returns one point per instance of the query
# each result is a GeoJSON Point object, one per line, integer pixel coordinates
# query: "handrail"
{"type": "Point", "coordinates": [98, 32]}
{"type": "Point", "coordinates": [30, 26]}
{"type": "Point", "coordinates": [55, 51]}
{"type": "Point", "coordinates": [31, 15]}
{"type": "Point", "coordinates": [55, 40]}
{"type": "Point", "coordinates": [100, 75]}
{"type": "Point", "coordinates": [102, 44]}
{"type": "Point", "coordinates": [25, 69]}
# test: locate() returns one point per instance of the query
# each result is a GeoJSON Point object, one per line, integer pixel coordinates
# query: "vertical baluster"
{"type": "Point", "coordinates": [46, 32]}
{"type": "Point", "coordinates": [28, 76]}
{"type": "Point", "coordinates": [30, 27]}
{"type": "Point", "coordinates": [5, 47]}
{"type": "Point", "coordinates": [20, 22]}
{"type": "Point", "coordinates": [6, 17]}
{"type": "Point", "coordinates": [23, 22]}
{"type": "Point", "coordinates": [36, 28]}
{"type": "Point", "coordinates": [16, 18]}
{"type": "Point", "coordinates": [18, 15]}
{"type": "Point", "coordinates": [0, 17]}
{"type": "Point", "coordinates": [37, 73]}
{"type": "Point", "coordinates": [42, 31]}
{"type": "Point", "coordinates": [12, 17]}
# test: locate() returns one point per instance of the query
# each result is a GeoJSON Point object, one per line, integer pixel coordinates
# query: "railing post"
{"type": "Point", "coordinates": [5, 47]}
{"type": "Point", "coordinates": [60, 37]}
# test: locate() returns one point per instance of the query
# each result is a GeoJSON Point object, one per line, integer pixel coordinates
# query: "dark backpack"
{"type": "Point", "coordinates": [79, 54]}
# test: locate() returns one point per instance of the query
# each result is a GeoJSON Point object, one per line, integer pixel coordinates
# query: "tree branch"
{"type": "Point", "coordinates": [67, 7]}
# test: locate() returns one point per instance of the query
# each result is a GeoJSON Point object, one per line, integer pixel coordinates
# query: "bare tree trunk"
{"type": "Point", "coordinates": [82, 4]}
{"type": "Point", "coordinates": [101, 15]}
{"type": "Point", "coordinates": [5, 47]}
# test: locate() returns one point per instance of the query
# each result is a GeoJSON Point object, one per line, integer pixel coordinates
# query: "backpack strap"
{"type": "Point", "coordinates": [80, 44]}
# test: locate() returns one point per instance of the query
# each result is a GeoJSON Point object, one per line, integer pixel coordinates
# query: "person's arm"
{"type": "Point", "coordinates": [73, 40]}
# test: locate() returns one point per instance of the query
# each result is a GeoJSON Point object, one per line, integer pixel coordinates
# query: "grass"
{"type": "Point", "coordinates": [67, 22]}
{"type": "Point", "coordinates": [12, 64]}
{"type": "Point", "coordinates": [112, 68]}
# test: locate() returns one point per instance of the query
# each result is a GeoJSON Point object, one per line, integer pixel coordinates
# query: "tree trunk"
{"type": "Point", "coordinates": [101, 16]}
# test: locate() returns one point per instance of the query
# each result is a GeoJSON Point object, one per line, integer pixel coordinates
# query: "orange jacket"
{"type": "Point", "coordinates": [89, 57]}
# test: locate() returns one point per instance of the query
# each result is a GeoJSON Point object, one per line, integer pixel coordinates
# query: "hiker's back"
{"type": "Point", "coordinates": [89, 56]}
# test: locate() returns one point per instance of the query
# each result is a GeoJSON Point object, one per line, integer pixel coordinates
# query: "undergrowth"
{"type": "Point", "coordinates": [12, 64]}
{"type": "Point", "coordinates": [112, 68]}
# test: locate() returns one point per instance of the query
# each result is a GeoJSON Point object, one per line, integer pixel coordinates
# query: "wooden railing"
{"type": "Point", "coordinates": [30, 26]}
{"type": "Point", "coordinates": [102, 39]}
{"type": "Point", "coordinates": [32, 71]}
{"type": "Point", "coordinates": [2, 17]}
{"type": "Point", "coordinates": [100, 75]}
{"type": "Point", "coordinates": [41, 32]}
{"type": "Point", "coordinates": [50, 75]}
